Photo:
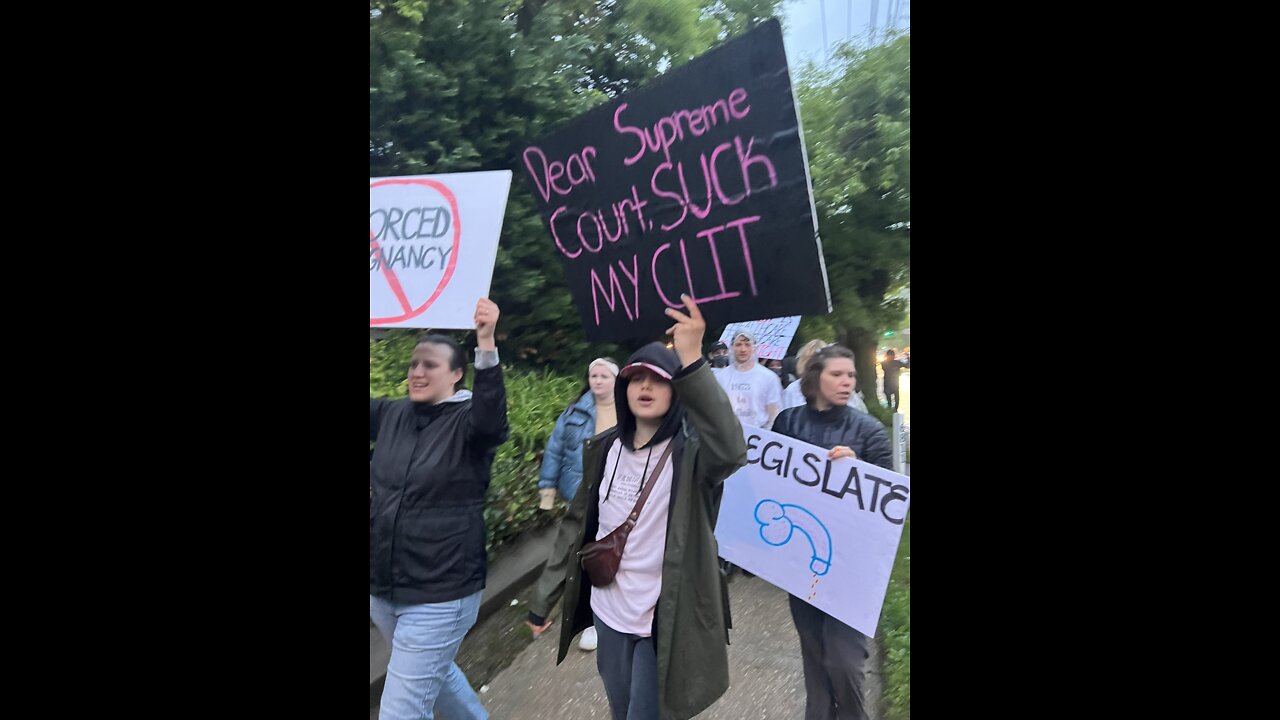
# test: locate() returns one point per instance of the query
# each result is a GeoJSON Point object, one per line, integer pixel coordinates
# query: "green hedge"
{"type": "Point", "coordinates": [535, 398]}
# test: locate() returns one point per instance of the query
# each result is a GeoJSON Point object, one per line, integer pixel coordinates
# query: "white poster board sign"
{"type": "Point", "coordinates": [773, 337]}
{"type": "Point", "coordinates": [432, 243]}
{"type": "Point", "coordinates": [824, 530]}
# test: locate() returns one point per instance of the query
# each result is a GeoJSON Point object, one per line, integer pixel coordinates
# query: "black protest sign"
{"type": "Point", "coordinates": [697, 184]}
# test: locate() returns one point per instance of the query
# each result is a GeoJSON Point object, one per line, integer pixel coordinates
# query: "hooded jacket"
{"type": "Point", "coordinates": [691, 621]}
{"type": "Point", "coordinates": [428, 477]}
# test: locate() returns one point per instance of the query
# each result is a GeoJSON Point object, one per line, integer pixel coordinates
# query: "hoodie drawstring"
{"type": "Point", "coordinates": [618, 461]}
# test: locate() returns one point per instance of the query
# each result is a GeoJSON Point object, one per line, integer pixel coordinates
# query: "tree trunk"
{"type": "Point", "coordinates": [529, 9]}
{"type": "Point", "coordinates": [863, 345]}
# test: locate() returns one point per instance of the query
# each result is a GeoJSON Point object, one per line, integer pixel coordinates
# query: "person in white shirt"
{"type": "Point", "coordinates": [754, 391]}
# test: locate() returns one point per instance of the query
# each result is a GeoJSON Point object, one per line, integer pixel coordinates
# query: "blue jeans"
{"type": "Point", "coordinates": [628, 666]}
{"type": "Point", "coordinates": [422, 674]}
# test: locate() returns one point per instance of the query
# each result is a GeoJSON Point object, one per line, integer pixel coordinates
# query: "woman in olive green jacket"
{"type": "Point", "coordinates": [690, 605]}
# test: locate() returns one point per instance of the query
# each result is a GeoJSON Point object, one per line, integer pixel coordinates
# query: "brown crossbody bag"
{"type": "Point", "coordinates": [600, 559]}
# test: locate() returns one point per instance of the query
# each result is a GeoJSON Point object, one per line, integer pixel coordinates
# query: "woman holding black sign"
{"type": "Point", "coordinates": [834, 654]}
{"type": "Point", "coordinates": [644, 521]}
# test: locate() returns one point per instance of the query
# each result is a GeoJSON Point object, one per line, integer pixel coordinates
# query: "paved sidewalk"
{"type": "Point", "coordinates": [765, 674]}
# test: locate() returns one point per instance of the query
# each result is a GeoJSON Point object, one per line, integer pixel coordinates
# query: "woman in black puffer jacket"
{"type": "Point", "coordinates": [834, 654]}
{"type": "Point", "coordinates": [428, 475]}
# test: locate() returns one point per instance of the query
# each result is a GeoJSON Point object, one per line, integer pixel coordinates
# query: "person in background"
{"type": "Point", "coordinates": [789, 373]}
{"type": "Point", "coordinates": [775, 366]}
{"type": "Point", "coordinates": [892, 367]}
{"type": "Point", "coordinates": [718, 357]}
{"type": "Point", "coordinates": [754, 391]}
{"type": "Point", "coordinates": [591, 414]}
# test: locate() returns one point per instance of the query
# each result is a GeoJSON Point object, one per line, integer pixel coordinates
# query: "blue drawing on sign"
{"type": "Point", "coordinates": [779, 522]}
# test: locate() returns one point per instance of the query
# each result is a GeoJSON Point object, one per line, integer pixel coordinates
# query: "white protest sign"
{"type": "Point", "coordinates": [773, 337]}
{"type": "Point", "coordinates": [432, 243]}
{"type": "Point", "coordinates": [824, 530]}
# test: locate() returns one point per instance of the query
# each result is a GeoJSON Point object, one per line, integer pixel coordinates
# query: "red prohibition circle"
{"type": "Point", "coordinates": [389, 275]}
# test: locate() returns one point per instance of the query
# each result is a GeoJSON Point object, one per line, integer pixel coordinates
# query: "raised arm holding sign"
{"type": "Point", "coordinates": [427, 480]}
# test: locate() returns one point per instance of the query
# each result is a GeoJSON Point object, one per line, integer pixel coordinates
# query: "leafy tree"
{"type": "Point", "coordinates": [456, 86]}
{"type": "Point", "coordinates": [856, 112]}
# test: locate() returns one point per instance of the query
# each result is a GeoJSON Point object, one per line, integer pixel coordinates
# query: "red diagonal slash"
{"type": "Point", "coordinates": [392, 281]}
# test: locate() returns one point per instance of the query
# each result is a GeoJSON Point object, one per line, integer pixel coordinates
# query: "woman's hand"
{"type": "Point", "coordinates": [686, 334]}
{"type": "Point", "coordinates": [486, 320]}
{"type": "Point", "coordinates": [546, 498]}
{"type": "Point", "coordinates": [840, 451]}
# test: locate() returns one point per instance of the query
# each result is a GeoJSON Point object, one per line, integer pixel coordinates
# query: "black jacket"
{"type": "Point", "coordinates": [891, 369]}
{"type": "Point", "coordinates": [842, 425]}
{"type": "Point", "coordinates": [429, 474]}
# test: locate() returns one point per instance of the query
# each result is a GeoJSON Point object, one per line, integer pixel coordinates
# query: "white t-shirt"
{"type": "Point", "coordinates": [751, 393]}
{"type": "Point", "coordinates": [627, 603]}
{"type": "Point", "coordinates": [792, 397]}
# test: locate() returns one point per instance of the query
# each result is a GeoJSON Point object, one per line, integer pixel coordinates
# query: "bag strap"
{"type": "Point", "coordinates": [648, 486]}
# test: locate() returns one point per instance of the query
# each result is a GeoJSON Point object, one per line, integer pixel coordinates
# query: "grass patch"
{"type": "Point", "coordinates": [895, 634]}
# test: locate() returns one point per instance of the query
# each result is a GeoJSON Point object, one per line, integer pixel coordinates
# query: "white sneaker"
{"type": "Point", "coordinates": [588, 641]}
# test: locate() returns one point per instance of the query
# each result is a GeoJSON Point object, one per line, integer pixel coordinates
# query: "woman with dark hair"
{"type": "Point", "coordinates": [657, 600]}
{"type": "Point", "coordinates": [834, 654]}
{"type": "Point", "coordinates": [428, 476]}
{"type": "Point", "coordinates": [793, 397]}
{"type": "Point", "coordinates": [591, 414]}
{"type": "Point", "coordinates": [789, 370]}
